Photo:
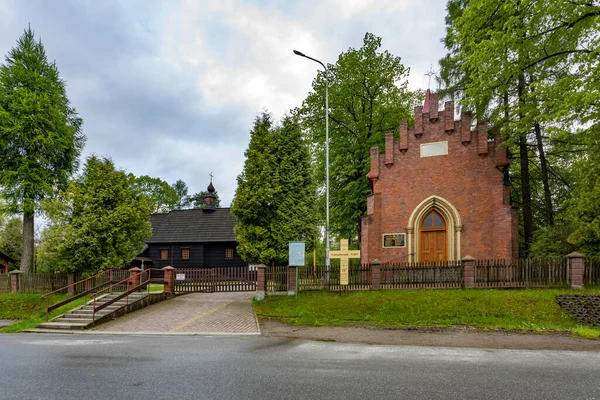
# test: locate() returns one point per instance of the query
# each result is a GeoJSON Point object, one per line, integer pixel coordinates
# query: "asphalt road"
{"type": "Point", "coordinates": [253, 367]}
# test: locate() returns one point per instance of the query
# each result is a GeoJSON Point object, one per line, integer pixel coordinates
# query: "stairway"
{"type": "Point", "coordinates": [81, 317]}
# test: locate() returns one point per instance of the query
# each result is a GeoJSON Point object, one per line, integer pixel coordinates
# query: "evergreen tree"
{"type": "Point", "coordinates": [275, 199]}
{"type": "Point", "coordinates": [11, 239]}
{"type": "Point", "coordinates": [100, 222]}
{"type": "Point", "coordinates": [40, 133]}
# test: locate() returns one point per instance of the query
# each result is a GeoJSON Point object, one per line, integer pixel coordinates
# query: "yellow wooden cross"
{"type": "Point", "coordinates": [344, 254]}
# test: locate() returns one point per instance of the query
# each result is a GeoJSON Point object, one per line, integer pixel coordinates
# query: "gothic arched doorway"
{"type": "Point", "coordinates": [433, 242]}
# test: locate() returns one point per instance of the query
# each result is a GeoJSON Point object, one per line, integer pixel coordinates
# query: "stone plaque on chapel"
{"type": "Point", "coordinates": [393, 240]}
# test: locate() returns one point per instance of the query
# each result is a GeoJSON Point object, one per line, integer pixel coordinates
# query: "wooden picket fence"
{"type": "Point", "coordinates": [5, 283]}
{"type": "Point", "coordinates": [277, 278]}
{"type": "Point", "coordinates": [40, 282]}
{"type": "Point", "coordinates": [523, 272]}
{"type": "Point", "coordinates": [591, 271]}
{"type": "Point", "coordinates": [441, 274]}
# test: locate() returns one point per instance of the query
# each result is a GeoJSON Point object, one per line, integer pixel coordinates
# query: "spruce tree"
{"type": "Point", "coordinates": [276, 194]}
{"type": "Point", "coordinates": [40, 133]}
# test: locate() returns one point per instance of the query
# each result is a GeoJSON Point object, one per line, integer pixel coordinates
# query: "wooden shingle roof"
{"type": "Point", "coordinates": [190, 226]}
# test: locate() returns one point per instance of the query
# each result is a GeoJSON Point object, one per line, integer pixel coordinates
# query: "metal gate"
{"type": "Point", "coordinates": [217, 279]}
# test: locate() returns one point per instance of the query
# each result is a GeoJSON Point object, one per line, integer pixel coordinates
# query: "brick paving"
{"type": "Point", "coordinates": [195, 313]}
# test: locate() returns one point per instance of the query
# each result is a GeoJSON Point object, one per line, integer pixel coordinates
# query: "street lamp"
{"type": "Point", "coordinates": [327, 263]}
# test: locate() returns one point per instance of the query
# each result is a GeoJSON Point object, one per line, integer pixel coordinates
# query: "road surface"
{"type": "Point", "coordinates": [36, 366]}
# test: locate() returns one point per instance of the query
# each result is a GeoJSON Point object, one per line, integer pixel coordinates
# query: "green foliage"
{"type": "Point", "coordinates": [368, 98]}
{"type": "Point", "coordinates": [11, 239]}
{"type": "Point", "coordinates": [40, 132]}
{"type": "Point", "coordinates": [181, 192]}
{"type": "Point", "coordinates": [197, 199]}
{"type": "Point", "coordinates": [531, 68]}
{"type": "Point", "coordinates": [161, 196]}
{"type": "Point", "coordinates": [275, 198]}
{"type": "Point", "coordinates": [100, 222]}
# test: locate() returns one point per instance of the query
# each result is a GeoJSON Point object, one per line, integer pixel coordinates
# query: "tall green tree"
{"type": "Point", "coordinates": [368, 97]}
{"type": "Point", "coordinates": [520, 60]}
{"type": "Point", "coordinates": [40, 133]}
{"type": "Point", "coordinates": [100, 222]}
{"type": "Point", "coordinates": [161, 196]}
{"type": "Point", "coordinates": [275, 199]}
{"type": "Point", "coordinates": [181, 190]}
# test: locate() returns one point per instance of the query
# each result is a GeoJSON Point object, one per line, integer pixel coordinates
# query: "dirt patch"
{"type": "Point", "coordinates": [451, 337]}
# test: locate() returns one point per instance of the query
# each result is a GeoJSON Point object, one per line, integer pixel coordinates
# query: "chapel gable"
{"type": "Point", "coordinates": [443, 168]}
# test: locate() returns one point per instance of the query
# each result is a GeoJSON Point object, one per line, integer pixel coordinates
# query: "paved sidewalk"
{"type": "Point", "coordinates": [195, 313]}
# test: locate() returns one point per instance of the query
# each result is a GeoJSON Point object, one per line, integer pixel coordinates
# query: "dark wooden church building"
{"type": "Point", "coordinates": [192, 238]}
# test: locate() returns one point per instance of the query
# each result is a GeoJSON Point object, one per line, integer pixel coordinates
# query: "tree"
{"type": "Point", "coordinates": [197, 199]}
{"type": "Point", "coordinates": [181, 190]}
{"type": "Point", "coordinates": [525, 65]}
{"type": "Point", "coordinates": [40, 133]}
{"type": "Point", "coordinates": [11, 238]}
{"type": "Point", "coordinates": [368, 98]}
{"type": "Point", "coordinates": [161, 196]}
{"type": "Point", "coordinates": [100, 222]}
{"type": "Point", "coordinates": [275, 198]}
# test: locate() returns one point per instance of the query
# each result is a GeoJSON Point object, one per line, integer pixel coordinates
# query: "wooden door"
{"type": "Point", "coordinates": [433, 238]}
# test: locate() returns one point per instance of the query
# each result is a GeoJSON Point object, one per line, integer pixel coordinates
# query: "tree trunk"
{"type": "Point", "coordinates": [525, 183]}
{"type": "Point", "coordinates": [545, 180]}
{"type": "Point", "coordinates": [27, 256]}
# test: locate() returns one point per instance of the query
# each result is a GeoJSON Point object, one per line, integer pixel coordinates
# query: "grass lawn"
{"type": "Point", "coordinates": [31, 309]}
{"type": "Point", "coordinates": [518, 310]}
{"type": "Point", "coordinates": [156, 287]}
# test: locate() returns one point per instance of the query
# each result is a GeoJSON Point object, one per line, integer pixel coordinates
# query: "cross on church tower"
{"type": "Point", "coordinates": [211, 176]}
{"type": "Point", "coordinates": [430, 73]}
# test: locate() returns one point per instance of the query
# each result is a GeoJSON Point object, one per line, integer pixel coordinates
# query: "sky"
{"type": "Point", "coordinates": [170, 89]}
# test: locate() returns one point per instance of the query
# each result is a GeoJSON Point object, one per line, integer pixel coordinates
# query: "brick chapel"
{"type": "Point", "coordinates": [438, 192]}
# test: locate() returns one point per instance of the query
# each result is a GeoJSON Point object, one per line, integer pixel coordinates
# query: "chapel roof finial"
{"type": "Point", "coordinates": [210, 188]}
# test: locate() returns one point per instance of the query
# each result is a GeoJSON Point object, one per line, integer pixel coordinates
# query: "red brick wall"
{"type": "Point", "coordinates": [469, 177]}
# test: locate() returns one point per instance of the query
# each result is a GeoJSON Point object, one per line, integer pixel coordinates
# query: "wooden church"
{"type": "Point", "coordinates": [192, 238]}
{"type": "Point", "coordinates": [438, 192]}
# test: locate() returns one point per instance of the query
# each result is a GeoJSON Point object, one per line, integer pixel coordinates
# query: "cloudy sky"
{"type": "Point", "coordinates": [170, 88]}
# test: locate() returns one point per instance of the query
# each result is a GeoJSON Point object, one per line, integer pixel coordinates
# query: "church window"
{"type": "Point", "coordinates": [228, 254]}
{"type": "Point", "coordinates": [434, 149]}
{"type": "Point", "coordinates": [164, 254]}
{"type": "Point", "coordinates": [434, 220]}
{"type": "Point", "coordinates": [185, 253]}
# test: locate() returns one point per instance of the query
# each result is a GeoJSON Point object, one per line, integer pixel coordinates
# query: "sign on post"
{"type": "Point", "coordinates": [296, 254]}
{"type": "Point", "coordinates": [344, 254]}
{"type": "Point", "coordinates": [180, 277]}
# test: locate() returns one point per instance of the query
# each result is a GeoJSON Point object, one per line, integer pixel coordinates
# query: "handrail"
{"type": "Point", "coordinates": [75, 283]}
{"type": "Point", "coordinates": [126, 293]}
{"type": "Point", "coordinates": [77, 296]}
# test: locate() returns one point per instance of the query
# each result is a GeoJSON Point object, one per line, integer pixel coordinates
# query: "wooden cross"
{"type": "Point", "coordinates": [344, 254]}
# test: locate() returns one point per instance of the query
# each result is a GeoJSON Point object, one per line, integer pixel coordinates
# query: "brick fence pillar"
{"type": "Point", "coordinates": [169, 279]}
{"type": "Point", "coordinates": [376, 274]}
{"type": "Point", "coordinates": [134, 277]}
{"type": "Point", "coordinates": [575, 261]}
{"type": "Point", "coordinates": [291, 280]}
{"type": "Point", "coordinates": [14, 281]}
{"type": "Point", "coordinates": [71, 284]}
{"type": "Point", "coordinates": [261, 282]}
{"type": "Point", "coordinates": [468, 264]}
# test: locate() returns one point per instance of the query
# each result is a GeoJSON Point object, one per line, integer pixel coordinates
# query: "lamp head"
{"type": "Point", "coordinates": [299, 53]}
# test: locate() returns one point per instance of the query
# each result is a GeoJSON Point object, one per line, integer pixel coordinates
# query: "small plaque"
{"type": "Point", "coordinates": [434, 149]}
{"type": "Point", "coordinates": [394, 240]}
{"type": "Point", "coordinates": [180, 277]}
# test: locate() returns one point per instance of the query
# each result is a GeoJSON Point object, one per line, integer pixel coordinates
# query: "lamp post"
{"type": "Point", "coordinates": [327, 262]}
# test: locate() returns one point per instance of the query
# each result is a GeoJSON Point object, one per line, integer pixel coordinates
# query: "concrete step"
{"type": "Point", "coordinates": [74, 320]}
{"type": "Point", "coordinates": [62, 325]}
